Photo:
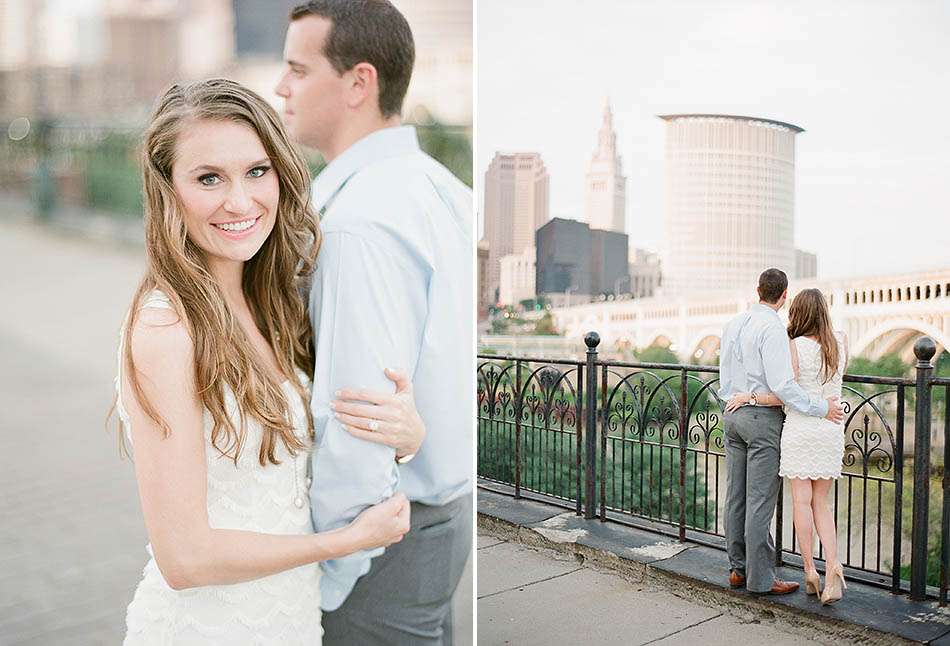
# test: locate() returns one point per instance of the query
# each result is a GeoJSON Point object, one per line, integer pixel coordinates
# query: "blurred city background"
{"type": "Point", "coordinates": [78, 79]}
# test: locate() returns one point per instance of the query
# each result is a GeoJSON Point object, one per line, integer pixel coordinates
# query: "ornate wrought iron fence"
{"type": "Point", "coordinates": [642, 444]}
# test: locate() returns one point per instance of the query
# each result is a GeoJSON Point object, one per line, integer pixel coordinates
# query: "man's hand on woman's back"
{"type": "Point", "coordinates": [835, 410]}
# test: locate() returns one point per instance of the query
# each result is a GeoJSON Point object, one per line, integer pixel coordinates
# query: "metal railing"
{"type": "Point", "coordinates": [642, 444]}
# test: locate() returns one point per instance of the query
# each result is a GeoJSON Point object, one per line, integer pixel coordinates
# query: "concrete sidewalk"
{"type": "Point", "coordinates": [649, 587]}
{"type": "Point", "coordinates": [538, 596]}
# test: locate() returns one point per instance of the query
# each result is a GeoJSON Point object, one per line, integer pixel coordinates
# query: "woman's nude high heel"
{"type": "Point", "coordinates": [812, 582]}
{"type": "Point", "coordinates": [834, 586]}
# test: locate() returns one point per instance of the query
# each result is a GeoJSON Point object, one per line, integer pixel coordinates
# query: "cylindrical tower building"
{"type": "Point", "coordinates": [730, 200]}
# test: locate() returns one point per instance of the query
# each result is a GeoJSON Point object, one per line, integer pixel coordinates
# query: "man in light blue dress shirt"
{"type": "Point", "coordinates": [393, 288]}
{"type": "Point", "coordinates": [755, 357]}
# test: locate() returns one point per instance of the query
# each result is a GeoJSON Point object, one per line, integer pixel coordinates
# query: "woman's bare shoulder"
{"type": "Point", "coordinates": [160, 340]}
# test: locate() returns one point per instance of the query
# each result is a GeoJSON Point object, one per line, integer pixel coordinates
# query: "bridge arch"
{"type": "Point", "coordinates": [913, 328]}
{"type": "Point", "coordinates": [707, 341]}
{"type": "Point", "coordinates": [660, 339]}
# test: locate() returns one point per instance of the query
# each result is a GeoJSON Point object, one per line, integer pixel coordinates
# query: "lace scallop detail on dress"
{"type": "Point", "coordinates": [813, 447]}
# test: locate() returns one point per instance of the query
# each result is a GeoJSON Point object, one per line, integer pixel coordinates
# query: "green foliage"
{"type": "Point", "coordinates": [450, 146]}
{"type": "Point", "coordinates": [499, 326]}
{"type": "Point", "coordinates": [545, 326]}
{"type": "Point", "coordinates": [933, 562]}
{"type": "Point", "coordinates": [934, 514]}
{"type": "Point", "coordinates": [646, 482]}
{"type": "Point", "coordinates": [890, 365]}
{"type": "Point", "coordinates": [315, 162]}
{"type": "Point", "coordinates": [112, 176]}
{"type": "Point", "coordinates": [941, 369]}
{"type": "Point", "coordinates": [657, 354]}
{"type": "Point", "coordinates": [549, 465]}
{"type": "Point", "coordinates": [942, 364]}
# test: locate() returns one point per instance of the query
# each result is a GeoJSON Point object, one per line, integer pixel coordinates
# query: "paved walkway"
{"type": "Point", "coordinates": [71, 537]}
{"type": "Point", "coordinates": [529, 596]}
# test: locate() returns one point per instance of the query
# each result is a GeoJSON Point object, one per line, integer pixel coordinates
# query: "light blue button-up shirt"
{"type": "Point", "coordinates": [755, 358]}
{"type": "Point", "coordinates": [393, 288]}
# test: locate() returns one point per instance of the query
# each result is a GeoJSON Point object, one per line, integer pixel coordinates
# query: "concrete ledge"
{"type": "Point", "coordinates": [866, 615]}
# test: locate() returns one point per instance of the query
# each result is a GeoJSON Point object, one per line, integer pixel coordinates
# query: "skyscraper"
{"type": "Point", "coordinates": [517, 277]}
{"type": "Point", "coordinates": [516, 205]}
{"type": "Point", "coordinates": [730, 185]}
{"type": "Point", "coordinates": [806, 264]}
{"type": "Point", "coordinates": [605, 200]}
{"type": "Point", "coordinates": [484, 297]}
{"type": "Point", "coordinates": [574, 259]}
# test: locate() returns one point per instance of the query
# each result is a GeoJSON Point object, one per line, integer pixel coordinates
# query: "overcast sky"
{"type": "Point", "coordinates": [868, 80]}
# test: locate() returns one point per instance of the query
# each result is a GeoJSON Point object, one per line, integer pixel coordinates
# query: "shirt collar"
{"type": "Point", "coordinates": [765, 308]}
{"type": "Point", "coordinates": [376, 146]}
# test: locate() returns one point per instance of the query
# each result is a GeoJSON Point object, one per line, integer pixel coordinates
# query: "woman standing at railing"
{"type": "Point", "coordinates": [812, 448]}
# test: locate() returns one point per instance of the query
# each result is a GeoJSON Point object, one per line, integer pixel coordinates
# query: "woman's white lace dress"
{"type": "Point", "coordinates": [813, 447]}
{"type": "Point", "coordinates": [280, 609]}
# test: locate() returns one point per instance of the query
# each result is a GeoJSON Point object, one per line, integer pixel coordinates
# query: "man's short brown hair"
{"type": "Point", "coordinates": [368, 31]}
{"type": "Point", "coordinates": [772, 284]}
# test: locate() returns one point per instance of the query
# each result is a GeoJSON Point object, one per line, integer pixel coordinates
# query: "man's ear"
{"type": "Point", "coordinates": [364, 85]}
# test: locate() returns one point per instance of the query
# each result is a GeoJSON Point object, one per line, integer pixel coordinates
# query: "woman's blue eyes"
{"type": "Point", "coordinates": [213, 179]}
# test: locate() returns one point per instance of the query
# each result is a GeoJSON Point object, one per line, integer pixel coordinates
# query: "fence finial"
{"type": "Point", "coordinates": [925, 349]}
{"type": "Point", "coordinates": [592, 339]}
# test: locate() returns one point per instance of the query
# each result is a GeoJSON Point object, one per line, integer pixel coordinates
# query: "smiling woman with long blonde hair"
{"type": "Point", "coordinates": [213, 382]}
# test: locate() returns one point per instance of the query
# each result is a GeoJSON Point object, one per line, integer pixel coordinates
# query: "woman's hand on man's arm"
{"type": "Point", "coordinates": [389, 419]}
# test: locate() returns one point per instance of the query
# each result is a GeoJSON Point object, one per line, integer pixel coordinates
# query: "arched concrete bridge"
{"type": "Point", "coordinates": [880, 314]}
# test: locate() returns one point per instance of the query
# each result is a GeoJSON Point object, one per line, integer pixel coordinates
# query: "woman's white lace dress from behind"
{"type": "Point", "coordinates": [813, 447]}
{"type": "Point", "coordinates": [280, 609]}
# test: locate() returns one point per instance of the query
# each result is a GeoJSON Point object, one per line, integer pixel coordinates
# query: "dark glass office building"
{"type": "Point", "coordinates": [571, 257]}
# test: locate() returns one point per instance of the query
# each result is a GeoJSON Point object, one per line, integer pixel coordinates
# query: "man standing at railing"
{"type": "Point", "coordinates": [756, 358]}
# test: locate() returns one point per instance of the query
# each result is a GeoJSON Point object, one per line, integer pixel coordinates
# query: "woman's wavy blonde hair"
{"type": "Point", "coordinates": [224, 356]}
{"type": "Point", "coordinates": [808, 315]}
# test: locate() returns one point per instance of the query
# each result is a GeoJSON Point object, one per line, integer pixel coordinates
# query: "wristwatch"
{"type": "Point", "coordinates": [752, 400]}
{"type": "Point", "coordinates": [404, 459]}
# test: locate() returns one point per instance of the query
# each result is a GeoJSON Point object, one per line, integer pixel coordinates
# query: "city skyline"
{"type": "Point", "coordinates": [874, 140]}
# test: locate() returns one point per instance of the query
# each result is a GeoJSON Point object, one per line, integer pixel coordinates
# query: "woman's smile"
{"type": "Point", "coordinates": [238, 229]}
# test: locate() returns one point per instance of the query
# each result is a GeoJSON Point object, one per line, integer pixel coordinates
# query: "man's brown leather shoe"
{"type": "Point", "coordinates": [736, 580]}
{"type": "Point", "coordinates": [783, 587]}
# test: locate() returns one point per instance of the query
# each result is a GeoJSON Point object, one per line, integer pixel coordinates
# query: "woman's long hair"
{"type": "Point", "coordinates": [808, 316]}
{"type": "Point", "coordinates": [224, 356]}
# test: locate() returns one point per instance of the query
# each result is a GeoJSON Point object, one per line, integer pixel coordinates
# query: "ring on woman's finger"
{"type": "Point", "coordinates": [373, 425]}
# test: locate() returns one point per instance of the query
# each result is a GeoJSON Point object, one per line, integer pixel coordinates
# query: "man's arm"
{"type": "Point", "coordinates": [371, 304]}
{"type": "Point", "coordinates": [780, 378]}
